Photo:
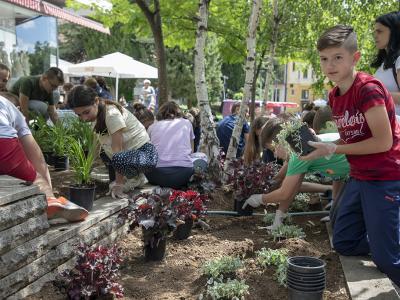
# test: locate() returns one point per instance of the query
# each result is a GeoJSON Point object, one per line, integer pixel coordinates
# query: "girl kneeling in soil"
{"type": "Point", "coordinates": [293, 172]}
{"type": "Point", "coordinates": [173, 137]}
{"type": "Point", "coordinates": [122, 137]}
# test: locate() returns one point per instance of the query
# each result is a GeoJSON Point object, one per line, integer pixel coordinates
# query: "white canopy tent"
{"type": "Point", "coordinates": [116, 65]}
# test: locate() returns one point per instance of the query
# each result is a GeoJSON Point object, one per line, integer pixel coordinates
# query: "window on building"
{"type": "Point", "coordinates": [291, 85]}
{"type": "Point", "coordinates": [305, 74]}
{"type": "Point", "coordinates": [294, 67]}
{"type": "Point", "coordinates": [292, 92]}
{"type": "Point", "coordinates": [304, 94]}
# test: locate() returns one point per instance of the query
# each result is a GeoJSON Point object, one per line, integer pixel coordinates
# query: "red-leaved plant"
{"type": "Point", "coordinates": [188, 205]}
{"type": "Point", "coordinates": [153, 213]}
{"type": "Point", "coordinates": [256, 178]}
{"type": "Point", "coordinates": [94, 274]}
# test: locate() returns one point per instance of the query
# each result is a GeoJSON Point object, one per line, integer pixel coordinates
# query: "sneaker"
{"type": "Point", "coordinates": [63, 208]}
{"type": "Point", "coordinates": [134, 182]}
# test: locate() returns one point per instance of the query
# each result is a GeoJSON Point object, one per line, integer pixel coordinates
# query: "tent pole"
{"type": "Point", "coordinates": [116, 88]}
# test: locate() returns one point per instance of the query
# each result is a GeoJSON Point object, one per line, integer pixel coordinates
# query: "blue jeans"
{"type": "Point", "coordinates": [368, 221]}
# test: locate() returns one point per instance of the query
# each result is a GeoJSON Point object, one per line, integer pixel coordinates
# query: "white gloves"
{"type": "Point", "coordinates": [278, 221]}
{"type": "Point", "coordinates": [254, 201]}
{"type": "Point", "coordinates": [321, 150]}
{"type": "Point", "coordinates": [116, 190]}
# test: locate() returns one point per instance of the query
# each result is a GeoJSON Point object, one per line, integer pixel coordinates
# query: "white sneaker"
{"type": "Point", "coordinates": [134, 182]}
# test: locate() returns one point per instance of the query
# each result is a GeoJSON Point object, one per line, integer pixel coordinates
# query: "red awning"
{"type": "Point", "coordinates": [271, 104]}
{"type": "Point", "coordinates": [48, 9]}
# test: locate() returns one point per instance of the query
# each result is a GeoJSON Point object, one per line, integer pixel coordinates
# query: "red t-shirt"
{"type": "Point", "coordinates": [348, 112]}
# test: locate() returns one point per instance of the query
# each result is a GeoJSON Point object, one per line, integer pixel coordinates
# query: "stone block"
{"type": "Point", "coordinates": [12, 189]}
{"type": "Point", "coordinates": [17, 235]}
{"type": "Point", "coordinates": [21, 210]}
{"type": "Point", "coordinates": [55, 257]}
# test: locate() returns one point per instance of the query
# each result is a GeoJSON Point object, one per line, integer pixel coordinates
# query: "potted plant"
{"type": "Point", "coordinates": [61, 138]}
{"type": "Point", "coordinates": [188, 206]}
{"type": "Point", "coordinates": [94, 275]}
{"type": "Point", "coordinates": [82, 132]}
{"type": "Point", "coordinates": [41, 132]}
{"type": "Point", "coordinates": [245, 181]}
{"type": "Point", "coordinates": [83, 191]}
{"type": "Point", "coordinates": [154, 215]}
{"type": "Point", "coordinates": [295, 136]}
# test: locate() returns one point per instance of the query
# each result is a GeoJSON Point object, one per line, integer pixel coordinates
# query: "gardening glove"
{"type": "Point", "coordinates": [278, 221]}
{"type": "Point", "coordinates": [321, 150]}
{"type": "Point", "coordinates": [116, 191]}
{"type": "Point", "coordinates": [254, 201]}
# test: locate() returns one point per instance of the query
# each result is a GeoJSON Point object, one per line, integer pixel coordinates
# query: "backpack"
{"type": "Point", "coordinates": [394, 71]}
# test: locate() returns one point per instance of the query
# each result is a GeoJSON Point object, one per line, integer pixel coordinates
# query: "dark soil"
{"type": "Point", "coordinates": [179, 275]}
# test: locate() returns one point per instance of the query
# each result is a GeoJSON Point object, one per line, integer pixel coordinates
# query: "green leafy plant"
{"type": "Point", "coordinates": [301, 202]}
{"type": "Point", "coordinates": [226, 265]}
{"type": "Point", "coordinates": [61, 138]}
{"type": "Point", "coordinates": [82, 132]}
{"type": "Point", "coordinates": [290, 128]}
{"type": "Point", "coordinates": [231, 289]}
{"type": "Point", "coordinates": [287, 232]}
{"type": "Point", "coordinates": [81, 162]}
{"type": "Point", "coordinates": [271, 257]}
{"type": "Point", "coordinates": [277, 258]}
{"type": "Point", "coordinates": [42, 133]}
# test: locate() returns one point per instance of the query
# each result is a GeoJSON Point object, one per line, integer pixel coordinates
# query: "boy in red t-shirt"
{"type": "Point", "coordinates": [368, 218]}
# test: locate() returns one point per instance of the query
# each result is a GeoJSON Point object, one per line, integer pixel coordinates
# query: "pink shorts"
{"type": "Point", "coordinates": [13, 161]}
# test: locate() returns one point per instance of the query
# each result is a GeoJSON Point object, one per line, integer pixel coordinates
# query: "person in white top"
{"type": "Point", "coordinates": [148, 95]}
{"type": "Point", "coordinates": [21, 157]}
{"type": "Point", "coordinates": [122, 137]}
{"type": "Point", "coordinates": [387, 60]}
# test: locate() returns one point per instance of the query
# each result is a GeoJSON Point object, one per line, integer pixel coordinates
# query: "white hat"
{"type": "Point", "coordinates": [146, 81]}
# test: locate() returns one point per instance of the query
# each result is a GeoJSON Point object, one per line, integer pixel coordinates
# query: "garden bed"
{"type": "Point", "coordinates": [179, 275]}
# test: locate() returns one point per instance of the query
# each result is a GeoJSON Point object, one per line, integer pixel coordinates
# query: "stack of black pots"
{"type": "Point", "coordinates": [306, 278]}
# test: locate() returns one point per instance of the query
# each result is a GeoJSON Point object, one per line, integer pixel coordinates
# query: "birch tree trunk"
{"type": "Point", "coordinates": [210, 139]}
{"type": "Point", "coordinates": [154, 20]}
{"type": "Point", "coordinates": [251, 55]}
{"type": "Point", "coordinates": [270, 58]}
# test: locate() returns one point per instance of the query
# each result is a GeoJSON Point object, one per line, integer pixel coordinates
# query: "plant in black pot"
{"type": "Point", "coordinates": [295, 136]}
{"type": "Point", "coordinates": [157, 219]}
{"type": "Point", "coordinates": [41, 132]}
{"type": "Point", "coordinates": [245, 181]}
{"type": "Point", "coordinates": [84, 190]}
{"type": "Point", "coordinates": [188, 206]}
{"type": "Point", "coordinates": [82, 132]}
{"type": "Point", "coordinates": [94, 275]}
{"type": "Point", "coordinates": [61, 138]}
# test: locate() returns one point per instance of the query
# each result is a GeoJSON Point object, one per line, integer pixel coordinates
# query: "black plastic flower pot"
{"type": "Point", "coordinates": [61, 163]}
{"type": "Point", "coordinates": [301, 146]}
{"type": "Point", "coordinates": [238, 207]}
{"type": "Point", "coordinates": [48, 157]}
{"type": "Point", "coordinates": [306, 278]}
{"type": "Point", "coordinates": [82, 195]}
{"type": "Point", "coordinates": [155, 251]}
{"type": "Point", "coordinates": [182, 231]}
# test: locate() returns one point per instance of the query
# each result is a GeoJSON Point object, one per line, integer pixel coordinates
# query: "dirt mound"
{"type": "Point", "coordinates": [299, 247]}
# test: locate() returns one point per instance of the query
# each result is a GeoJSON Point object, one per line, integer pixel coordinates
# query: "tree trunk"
{"type": "Point", "coordinates": [209, 135]}
{"type": "Point", "coordinates": [251, 54]}
{"type": "Point", "coordinates": [154, 19]}
{"type": "Point", "coordinates": [271, 55]}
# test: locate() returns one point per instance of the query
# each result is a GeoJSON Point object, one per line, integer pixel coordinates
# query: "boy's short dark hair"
{"type": "Point", "coordinates": [338, 36]}
{"type": "Point", "coordinates": [323, 115]}
{"type": "Point", "coordinates": [55, 73]}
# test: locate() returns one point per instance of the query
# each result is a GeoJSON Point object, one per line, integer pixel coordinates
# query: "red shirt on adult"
{"type": "Point", "coordinates": [348, 111]}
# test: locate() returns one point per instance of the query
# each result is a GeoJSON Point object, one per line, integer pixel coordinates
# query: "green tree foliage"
{"type": "Point", "coordinates": [40, 58]}
{"type": "Point", "coordinates": [213, 69]}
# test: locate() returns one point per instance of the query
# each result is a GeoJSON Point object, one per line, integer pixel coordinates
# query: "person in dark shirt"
{"type": "Point", "coordinates": [36, 93]}
{"type": "Point", "coordinates": [225, 129]}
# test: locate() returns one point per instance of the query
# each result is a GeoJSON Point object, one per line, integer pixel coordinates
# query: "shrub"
{"type": "Point", "coordinates": [231, 289]}
{"type": "Point", "coordinates": [94, 274]}
{"type": "Point", "coordinates": [268, 257]}
{"type": "Point", "coordinates": [287, 232]}
{"type": "Point", "coordinates": [222, 266]}
{"type": "Point", "coordinates": [301, 202]}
